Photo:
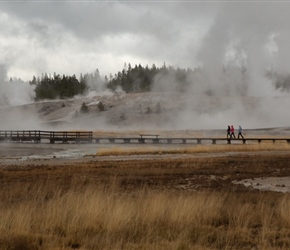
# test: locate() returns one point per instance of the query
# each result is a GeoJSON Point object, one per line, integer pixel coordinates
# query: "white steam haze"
{"type": "Point", "coordinates": [230, 44]}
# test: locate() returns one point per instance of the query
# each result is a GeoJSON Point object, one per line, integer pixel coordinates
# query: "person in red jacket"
{"type": "Point", "coordinates": [233, 132]}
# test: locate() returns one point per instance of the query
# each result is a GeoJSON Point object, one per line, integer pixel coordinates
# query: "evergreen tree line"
{"type": "Point", "coordinates": [141, 79]}
{"type": "Point", "coordinates": [130, 80]}
{"type": "Point", "coordinates": [56, 86]}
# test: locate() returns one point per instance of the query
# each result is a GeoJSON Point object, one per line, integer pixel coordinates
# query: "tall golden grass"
{"type": "Point", "coordinates": [47, 216]}
{"type": "Point", "coordinates": [195, 149]}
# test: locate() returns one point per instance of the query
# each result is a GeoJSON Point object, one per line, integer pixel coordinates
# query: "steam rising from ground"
{"type": "Point", "coordinates": [245, 47]}
{"type": "Point", "coordinates": [14, 92]}
{"type": "Point", "coordinates": [241, 58]}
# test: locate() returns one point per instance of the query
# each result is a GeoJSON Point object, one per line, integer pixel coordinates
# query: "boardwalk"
{"type": "Point", "coordinates": [39, 136]}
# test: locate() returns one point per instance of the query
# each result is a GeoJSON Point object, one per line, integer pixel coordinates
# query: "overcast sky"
{"type": "Point", "coordinates": [73, 37]}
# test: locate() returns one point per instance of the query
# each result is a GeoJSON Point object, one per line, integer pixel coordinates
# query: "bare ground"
{"type": "Point", "coordinates": [26, 163]}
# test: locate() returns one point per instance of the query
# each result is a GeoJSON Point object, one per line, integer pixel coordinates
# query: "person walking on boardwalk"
{"type": "Point", "coordinates": [233, 132]}
{"type": "Point", "coordinates": [229, 132]}
{"type": "Point", "coordinates": [240, 132]}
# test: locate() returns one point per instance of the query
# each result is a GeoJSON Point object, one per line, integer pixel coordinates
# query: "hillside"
{"type": "Point", "coordinates": [148, 111]}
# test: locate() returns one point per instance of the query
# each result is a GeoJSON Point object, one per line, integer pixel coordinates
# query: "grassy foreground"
{"type": "Point", "coordinates": [98, 204]}
{"type": "Point", "coordinates": [88, 216]}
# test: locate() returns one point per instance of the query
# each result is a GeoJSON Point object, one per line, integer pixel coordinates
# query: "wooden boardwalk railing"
{"type": "Point", "coordinates": [39, 136]}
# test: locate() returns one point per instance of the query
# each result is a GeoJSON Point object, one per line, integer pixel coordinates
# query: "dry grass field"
{"type": "Point", "coordinates": [185, 199]}
{"type": "Point", "coordinates": [163, 197]}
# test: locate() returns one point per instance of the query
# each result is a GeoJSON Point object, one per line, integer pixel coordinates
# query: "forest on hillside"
{"type": "Point", "coordinates": [129, 80]}
{"type": "Point", "coordinates": [139, 79]}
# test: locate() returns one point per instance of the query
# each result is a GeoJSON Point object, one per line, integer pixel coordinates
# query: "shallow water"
{"type": "Point", "coordinates": [276, 184]}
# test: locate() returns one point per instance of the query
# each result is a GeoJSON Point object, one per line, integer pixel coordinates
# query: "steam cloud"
{"type": "Point", "coordinates": [243, 60]}
{"type": "Point", "coordinates": [240, 51]}
{"type": "Point", "coordinates": [15, 91]}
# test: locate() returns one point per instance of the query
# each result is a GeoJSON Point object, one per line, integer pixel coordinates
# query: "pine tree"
{"type": "Point", "coordinates": [84, 108]}
{"type": "Point", "coordinates": [101, 106]}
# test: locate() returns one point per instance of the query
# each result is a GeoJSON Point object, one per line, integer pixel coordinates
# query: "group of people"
{"type": "Point", "coordinates": [231, 132]}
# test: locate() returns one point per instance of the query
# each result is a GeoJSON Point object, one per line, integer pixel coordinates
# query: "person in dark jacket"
{"type": "Point", "coordinates": [229, 132]}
